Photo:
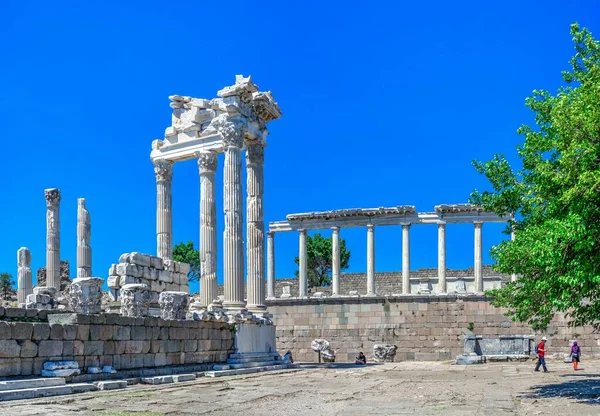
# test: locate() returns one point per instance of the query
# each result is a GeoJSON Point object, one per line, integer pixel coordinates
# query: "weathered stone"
{"type": "Point", "coordinates": [29, 349]}
{"type": "Point", "coordinates": [50, 348]}
{"type": "Point", "coordinates": [173, 305]}
{"type": "Point", "coordinates": [135, 300]}
{"type": "Point", "coordinates": [384, 352]}
{"type": "Point", "coordinates": [5, 330]}
{"type": "Point", "coordinates": [56, 332]}
{"type": "Point", "coordinates": [24, 274]}
{"type": "Point", "coordinates": [21, 330]}
{"type": "Point", "coordinates": [85, 295]}
{"type": "Point", "coordinates": [9, 349]}
{"type": "Point", "coordinates": [41, 331]}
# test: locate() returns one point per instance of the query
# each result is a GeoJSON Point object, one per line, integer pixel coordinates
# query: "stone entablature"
{"type": "Point", "coordinates": [352, 213]}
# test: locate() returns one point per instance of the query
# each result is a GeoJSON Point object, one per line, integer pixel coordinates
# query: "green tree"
{"type": "Point", "coordinates": [319, 259]}
{"type": "Point", "coordinates": [187, 253]}
{"type": "Point", "coordinates": [555, 200]}
{"type": "Point", "coordinates": [6, 285]}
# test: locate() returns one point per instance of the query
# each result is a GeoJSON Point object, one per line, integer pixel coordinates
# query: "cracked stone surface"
{"type": "Point", "coordinates": [424, 388]}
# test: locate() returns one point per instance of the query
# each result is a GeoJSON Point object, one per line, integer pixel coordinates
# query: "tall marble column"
{"type": "Point", "coordinates": [371, 260]}
{"type": "Point", "coordinates": [255, 227]}
{"type": "Point", "coordinates": [24, 276]}
{"type": "Point", "coordinates": [52, 237]}
{"type": "Point", "coordinates": [233, 244]}
{"type": "Point", "coordinates": [478, 254]}
{"type": "Point", "coordinates": [335, 261]}
{"type": "Point", "coordinates": [163, 169]}
{"type": "Point", "coordinates": [302, 274]}
{"type": "Point", "coordinates": [207, 165]}
{"type": "Point", "coordinates": [406, 258]}
{"type": "Point", "coordinates": [270, 265]}
{"type": "Point", "coordinates": [442, 258]}
{"type": "Point", "coordinates": [513, 277]}
{"type": "Point", "coordinates": [84, 233]}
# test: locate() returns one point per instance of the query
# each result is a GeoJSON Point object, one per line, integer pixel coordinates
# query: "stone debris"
{"type": "Point", "coordinates": [61, 369]}
{"type": "Point", "coordinates": [111, 385]}
{"type": "Point", "coordinates": [85, 295]}
{"type": "Point", "coordinates": [232, 318]}
{"type": "Point", "coordinates": [384, 352]}
{"type": "Point", "coordinates": [322, 347]}
{"type": "Point", "coordinates": [173, 305]}
{"type": "Point", "coordinates": [43, 297]}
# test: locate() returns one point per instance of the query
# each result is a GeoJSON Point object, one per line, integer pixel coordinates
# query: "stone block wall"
{"type": "Point", "coordinates": [110, 339]}
{"type": "Point", "coordinates": [65, 275]}
{"type": "Point", "coordinates": [160, 275]}
{"type": "Point", "coordinates": [424, 327]}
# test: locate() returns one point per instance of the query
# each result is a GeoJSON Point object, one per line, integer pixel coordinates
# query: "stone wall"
{"type": "Point", "coordinates": [107, 339]}
{"type": "Point", "coordinates": [424, 327]}
{"type": "Point", "coordinates": [65, 275]}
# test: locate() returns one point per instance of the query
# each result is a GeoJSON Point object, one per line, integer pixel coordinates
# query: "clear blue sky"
{"type": "Point", "coordinates": [383, 104]}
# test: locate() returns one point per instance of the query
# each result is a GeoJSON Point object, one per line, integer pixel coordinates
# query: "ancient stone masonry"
{"type": "Point", "coordinates": [135, 300]}
{"type": "Point", "coordinates": [384, 352]}
{"type": "Point", "coordinates": [24, 275]}
{"type": "Point", "coordinates": [84, 233]}
{"type": "Point", "coordinates": [158, 274]}
{"type": "Point", "coordinates": [42, 298]}
{"type": "Point", "coordinates": [65, 275]}
{"type": "Point", "coordinates": [173, 305]}
{"type": "Point", "coordinates": [85, 295]}
{"type": "Point", "coordinates": [53, 236]}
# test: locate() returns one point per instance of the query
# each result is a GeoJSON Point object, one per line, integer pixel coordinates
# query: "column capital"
{"type": "Point", "coordinates": [370, 227]}
{"type": "Point", "coordinates": [163, 169]}
{"type": "Point", "coordinates": [302, 230]}
{"type": "Point", "coordinates": [270, 234]}
{"type": "Point", "coordinates": [405, 224]}
{"type": "Point", "coordinates": [335, 229]}
{"type": "Point", "coordinates": [207, 162]}
{"type": "Point", "coordinates": [52, 196]}
{"type": "Point", "coordinates": [255, 153]}
{"type": "Point", "coordinates": [441, 224]}
{"type": "Point", "coordinates": [232, 131]}
{"type": "Point", "coordinates": [477, 224]}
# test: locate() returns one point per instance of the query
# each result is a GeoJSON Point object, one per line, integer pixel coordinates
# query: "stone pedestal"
{"type": "Point", "coordinates": [52, 196]}
{"type": "Point", "coordinates": [24, 275]}
{"type": "Point", "coordinates": [85, 295]}
{"type": "Point", "coordinates": [135, 300]}
{"type": "Point", "coordinates": [173, 305]}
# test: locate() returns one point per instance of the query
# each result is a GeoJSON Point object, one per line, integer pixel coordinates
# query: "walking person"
{"type": "Point", "coordinates": [541, 353]}
{"type": "Point", "coordinates": [575, 355]}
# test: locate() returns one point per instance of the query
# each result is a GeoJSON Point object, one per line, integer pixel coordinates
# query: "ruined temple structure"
{"type": "Point", "coordinates": [65, 275]}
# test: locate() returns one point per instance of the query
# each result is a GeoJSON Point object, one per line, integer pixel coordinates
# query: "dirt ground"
{"type": "Point", "coordinates": [423, 388]}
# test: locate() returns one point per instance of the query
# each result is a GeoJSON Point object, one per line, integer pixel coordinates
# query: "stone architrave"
{"type": "Point", "coordinates": [255, 230]}
{"type": "Point", "coordinates": [233, 133]}
{"type": "Point", "coordinates": [52, 196]}
{"type": "Point", "coordinates": [135, 300]}
{"type": "Point", "coordinates": [24, 280]}
{"type": "Point", "coordinates": [173, 305]}
{"type": "Point", "coordinates": [163, 170]}
{"type": "Point", "coordinates": [85, 295]}
{"type": "Point", "coordinates": [207, 165]}
{"type": "Point", "coordinates": [84, 233]}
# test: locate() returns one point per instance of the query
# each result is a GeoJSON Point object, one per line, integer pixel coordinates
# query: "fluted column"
{"type": "Point", "coordinates": [406, 258]}
{"type": "Point", "coordinates": [255, 227]}
{"type": "Point", "coordinates": [335, 261]}
{"type": "Point", "coordinates": [84, 234]}
{"type": "Point", "coordinates": [271, 265]}
{"type": "Point", "coordinates": [302, 276]}
{"type": "Point", "coordinates": [442, 258]}
{"type": "Point", "coordinates": [233, 244]}
{"type": "Point", "coordinates": [163, 169]}
{"type": "Point", "coordinates": [24, 276]}
{"type": "Point", "coordinates": [207, 165]}
{"type": "Point", "coordinates": [513, 277]}
{"type": "Point", "coordinates": [52, 237]}
{"type": "Point", "coordinates": [478, 254]}
{"type": "Point", "coordinates": [371, 260]}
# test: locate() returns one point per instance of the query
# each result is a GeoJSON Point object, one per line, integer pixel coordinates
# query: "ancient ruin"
{"type": "Point", "coordinates": [85, 295]}
{"type": "Point", "coordinates": [53, 237]}
{"type": "Point", "coordinates": [24, 275]}
{"type": "Point", "coordinates": [84, 234]}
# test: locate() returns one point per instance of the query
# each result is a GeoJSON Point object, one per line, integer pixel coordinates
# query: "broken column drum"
{"type": "Point", "coordinates": [135, 300]}
{"type": "Point", "coordinates": [173, 305]}
{"type": "Point", "coordinates": [85, 295]}
{"type": "Point", "coordinates": [24, 274]}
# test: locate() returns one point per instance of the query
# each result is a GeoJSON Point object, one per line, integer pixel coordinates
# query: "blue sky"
{"type": "Point", "coordinates": [384, 104]}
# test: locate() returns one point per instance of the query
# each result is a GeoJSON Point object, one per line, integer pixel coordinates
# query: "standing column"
{"type": "Point", "coordinates": [163, 169]}
{"type": "Point", "coordinates": [371, 260]}
{"type": "Point", "coordinates": [255, 227]}
{"type": "Point", "coordinates": [233, 244]}
{"type": "Point", "coordinates": [302, 280]}
{"type": "Point", "coordinates": [24, 277]}
{"type": "Point", "coordinates": [442, 258]}
{"type": "Point", "coordinates": [335, 261]}
{"type": "Point", "coordinates": [271, 265]}
{"type": "Point", "coordinates": [52, 237]}
{"type": "Point", "coordinates": [478, 263]}
{"type": "Point", "coordinates": [207, 165]}
{"type": "Point", "coordinates": [84, 233]}
{"type": "Point", "coordinates": [406, 258]}
{"type": "Point", "coordinates": [513, 277]}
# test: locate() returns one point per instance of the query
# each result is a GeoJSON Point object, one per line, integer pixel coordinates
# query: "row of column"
{"type": "Point", "coordinates": [371, 290]}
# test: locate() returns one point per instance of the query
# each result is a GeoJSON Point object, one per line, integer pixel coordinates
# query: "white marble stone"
{"type": "Point", "coordinates": [163, 171]}
{"type": "Point", "coordinates": [271, 265]}
{"type": "Point", "coordinates": [84, 234]}
{"type": "Point", "coordinates": [207, 165]}
{"type": "Point", "coordinates": [335, 261]}
{"type": "Point", "coordinates": [52, 196]}
{"type": "Point", "coordinates": [302, 275]}
{"type": "Point", "coordinates": [442, 287]}
{"type": "Point", "coordinates": [24, 274]}
{"type": "Point", "coordinates": [173, 305]}
{"type": "Point", "coordinates": [85, 295]}
{"type": "Point", "coordinates": [371, 261]}
{"type": "Point", "coordinates": [135, 300]}
{"type": "Point", "coordinates": [405, 258]}
{"type": "Point", "coordinates": [478, 267]}
{"type": "Point", "coordinates": [253, 338]}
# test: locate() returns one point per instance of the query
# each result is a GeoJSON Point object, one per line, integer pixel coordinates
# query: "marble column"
{"type": "Point", "coordinates": [24, 275]}
{"type": "Point", "coordinates": [442, 258]}
{"type": "Point", "coordinates": [335, 261]}
{"type": "Point", "coordinates": [163, 169]}
{"type": "Point", "coordinates": [207, 165]}
{"type": "Point", "coordinates": [270, 265]}
{"type": "Point", "coordinates": [513, 277]}
{"type": "Point", "coordinates": [478, 254]}
{"type": "Point", "coordinates": [233, 244]}
{"type": "Point", "coordinates": [84, 233]}
{"type": "Point", "coordinates": [406, 258]}
{"type": "Point", "coordinates": [371, 260]}
{"type": "Point", "coordinates": [302, 274]}
{"type": "Point", "coordinates": [52, 237]}
{"type": "Point", "coordinates": [255, 227]}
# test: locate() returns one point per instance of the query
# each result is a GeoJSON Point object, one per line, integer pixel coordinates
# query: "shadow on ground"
{"type": "Point", "coordinates": [583, 388]}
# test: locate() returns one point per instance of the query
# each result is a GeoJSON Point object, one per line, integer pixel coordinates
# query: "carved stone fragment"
{"type": "Point", "coordinates": [173, 305]}
{"type": "Point", "coordinates": [384, 352]}
{"type": "Point", "coordinates": [135, 300]}
{"type": "Point", "coordinates": [85, 295]}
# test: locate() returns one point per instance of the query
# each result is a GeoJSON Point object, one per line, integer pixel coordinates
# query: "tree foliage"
{"type": "Point", "coordinates": [6, 285]}
{"type": "Point", "coordinates": [555, 200]}
{"type": "Point", "coordinates": [319, 259]}
{"type": "Point", "coordinates": [187, 253]}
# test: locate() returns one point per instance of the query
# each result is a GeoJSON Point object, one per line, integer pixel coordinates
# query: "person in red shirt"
{"type": "Point", "coordinates": [541, 352]}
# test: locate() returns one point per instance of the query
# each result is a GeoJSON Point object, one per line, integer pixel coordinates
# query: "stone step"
{"type": "Point", "coordinates": [251, 359]}
{"type": "Point", "coordinates": [253, 364]}
{"type": "Point", "coordinates": [31, 383]}
{"type": "Point", "coordinates": [112, 384]}
{"type": "Point", "coordinates": [176, 378]}
{"type": "Point", "coordinates": [246, 370]}
{"type": "Point", "coordinates": [33, 393]}
{"type": "Point", "coordinates": [253, 355]}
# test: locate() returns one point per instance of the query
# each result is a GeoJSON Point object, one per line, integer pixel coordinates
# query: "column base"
{"type": "Point", "coordinates": [234, 307]}
{"type": "Point", "coordinates": [257, 309]}
{"type": "Point", "coordinates": [371, 295]}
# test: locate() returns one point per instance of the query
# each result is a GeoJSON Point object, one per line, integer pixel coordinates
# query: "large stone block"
{"type": "Point", "coordinates": [140, 259]}
{"type": "Point", "coordinates": [93, 347]}
{"type": "Point", "coordinates": [50, 348]}
{"type": "Point", "coordinates": [29, 349]}
{"type": "Point", "coordinates": [10, 367]}
{"type": "Point", "coordinates": [56, 332]}
{"type": "Point", "coordinates": [9, 349]}
{"type": "Point", "coordinates": [83, 332]}
{"type": "Point", "coordinates": [121, 333]}
{"type": "Point", "coordinates": [138, 333]}
{"type": "Point", "coordinates": [5, 330]}
{"type": "Point", "coordinates": [165, 276]}
{"type": "Point", "coordinates": [21, 330]}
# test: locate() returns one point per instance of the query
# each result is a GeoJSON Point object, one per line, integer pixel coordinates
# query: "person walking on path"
{"type": "Point", "coordinates": [575, 355]}
{"type": "Point", "coordinates": [541, 352]}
